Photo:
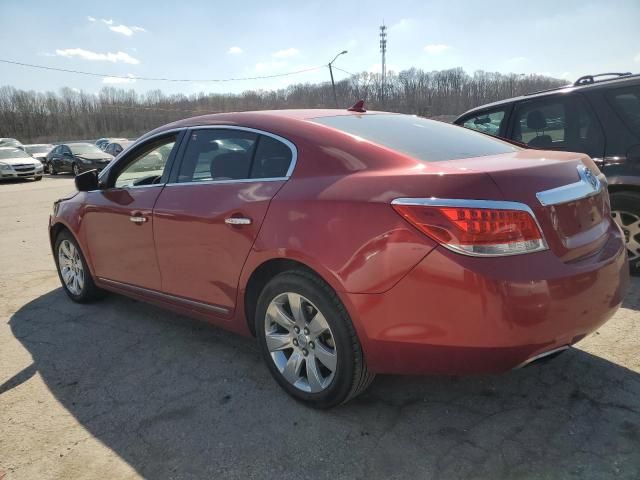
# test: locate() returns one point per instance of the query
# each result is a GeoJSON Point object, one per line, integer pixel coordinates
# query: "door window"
{"type": "Point", "coordinates": [147, 166]}
{"type": "Point", "coordinates": [486, 122]}
{"type": "Point", "coordinates": [227, 154]}
{"type": "Point", "coordinates": [626, 101]}
{"type": "Point", "coordinates": [560, 123]}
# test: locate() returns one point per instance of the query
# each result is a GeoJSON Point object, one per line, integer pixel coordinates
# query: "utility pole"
{"type": "Point", "coordinates": [333, 84]}
{"type": "Point", "coordinates": [383, 51]}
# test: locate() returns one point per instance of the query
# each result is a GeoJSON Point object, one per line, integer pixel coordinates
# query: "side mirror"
{"type": "Point", "coordinates": [87, 181]}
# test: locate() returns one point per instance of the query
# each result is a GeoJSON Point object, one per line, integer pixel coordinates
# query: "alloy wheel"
{"type": "Point", "coordinates": [300, 342]}
{"type": "Point", "coordinates": [76, 170]}
{"type": "Point", "coordinates": [71, 268]}
{"type": "Point", "coordinates": [630, 225]}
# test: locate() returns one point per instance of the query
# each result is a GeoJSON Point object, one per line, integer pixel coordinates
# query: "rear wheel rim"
{"type": "Point", "coordinates": [71, 268]}
{"type": "Point", "coordinates": [300, 342]}
{"type": "Point", "coordinates": [630, 225]}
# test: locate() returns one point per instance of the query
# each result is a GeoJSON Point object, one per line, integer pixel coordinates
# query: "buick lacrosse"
{"type": "Point", "coordinates": [351, 243]}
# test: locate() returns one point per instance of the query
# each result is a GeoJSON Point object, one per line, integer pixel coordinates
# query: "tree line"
{"type": "Point", "coordinates": [32, 116]}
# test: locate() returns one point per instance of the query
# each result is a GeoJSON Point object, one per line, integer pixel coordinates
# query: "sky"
{"type": "Point", "coordinates": [200, 40]}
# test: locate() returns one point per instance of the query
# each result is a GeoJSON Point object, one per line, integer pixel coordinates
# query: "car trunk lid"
{"type": "Point", "coordinates": [564, 191]}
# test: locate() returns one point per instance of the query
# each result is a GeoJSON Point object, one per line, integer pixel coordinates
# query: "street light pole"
{"type": "Point", "coordinates": [333, 83]}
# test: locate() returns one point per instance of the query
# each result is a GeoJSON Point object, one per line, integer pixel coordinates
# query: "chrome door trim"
{"type": "Point", "coordinates": [588, 186]}
{"type": "Point", "coordinates": [165, 296]}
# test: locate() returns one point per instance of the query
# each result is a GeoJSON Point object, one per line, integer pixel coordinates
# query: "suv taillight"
{"type": "Point", "coordinates": [475, 227]}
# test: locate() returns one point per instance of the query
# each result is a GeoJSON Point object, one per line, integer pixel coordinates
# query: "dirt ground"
{"type": "Point", "coordinates": [120, 389]}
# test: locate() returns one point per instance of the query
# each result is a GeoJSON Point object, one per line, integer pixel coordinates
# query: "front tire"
{"type": "Point", "coordinates": [75, 169]}
{"type": "Point", "coordinates": [625, 210]}
{"type": "Point", "coordinates": [308, 341]}
{"type": "Point", "coordinates": [73, 270]}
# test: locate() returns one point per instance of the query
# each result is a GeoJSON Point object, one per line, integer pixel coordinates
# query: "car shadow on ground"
{"type": "Point", "coordinates": [178, 398]}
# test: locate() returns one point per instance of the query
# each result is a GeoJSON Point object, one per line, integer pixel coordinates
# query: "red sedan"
{"type": "Point", "coordinates": [351, 243]}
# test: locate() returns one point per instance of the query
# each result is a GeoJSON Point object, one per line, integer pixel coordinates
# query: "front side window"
{"type": "Point", "coordinates": [148, 164]}
{"type": "Point", "coordinates": [540, 124]}
{"type": "Point", "coordinates": [486, 122]}
{"type": "Point", "coordinates": [626, 102]}
{"type": "Point", "coordinates": [561, 123]}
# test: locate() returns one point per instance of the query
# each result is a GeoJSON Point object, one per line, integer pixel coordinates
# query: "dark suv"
{"type": "Point", "coordinates": [597, 115]}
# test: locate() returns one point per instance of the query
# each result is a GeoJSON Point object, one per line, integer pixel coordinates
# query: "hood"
{"type": "Point", "coordinates": [94, 156]}
{"type": "Point", "coordinates": [20, 161]}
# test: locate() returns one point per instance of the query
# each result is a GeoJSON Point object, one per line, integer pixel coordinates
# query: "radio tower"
{"type": "Point", "coordinates": [383, 51]}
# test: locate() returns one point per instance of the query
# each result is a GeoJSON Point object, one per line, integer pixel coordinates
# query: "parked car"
{"type": "Point", "coordinates": [103, 142]}
{"type": "Point", "coordinates": [115, 148]}
{"type": "Point", "coordinates": [76, 158]}
{"type": "Point", "coordinates": [598, 115]}
{"type": "Point", "coordinates": [39, 150]}
{"type": "Point", "coordinates": [16, 163]}
{"type": "Point", "coordinates": [11, 142]}
{"type": "Point", "coordinates": [351, 243]}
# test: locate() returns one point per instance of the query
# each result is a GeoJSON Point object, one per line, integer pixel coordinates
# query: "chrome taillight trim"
{"type": "Point", "coordinates": [588, 186]}
{"type": "Point", "coordinates": [481, 250]}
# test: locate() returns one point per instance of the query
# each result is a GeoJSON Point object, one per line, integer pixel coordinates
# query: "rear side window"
{"type": "Point", "coordinates": [540, 124]}
{"type": "Point", "coordinates": [427, 140]}
{"type": "Point", "coordinates": [486, 122]}
{"type": "Point", "coordinates": [626, 102]}
{"type": "Point", "coordinates": [272, 159]}
{"type": "Point", "coordinates": [228, 154]}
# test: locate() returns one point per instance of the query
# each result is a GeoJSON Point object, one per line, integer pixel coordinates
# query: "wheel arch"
{"type": "Point", "coordinates": [263, 273]}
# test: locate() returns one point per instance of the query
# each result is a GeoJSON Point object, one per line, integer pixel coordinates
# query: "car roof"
{"type": "Point", "coordinates": [600, 84]}
{"type": "Point", "coordinates": [38, 145]}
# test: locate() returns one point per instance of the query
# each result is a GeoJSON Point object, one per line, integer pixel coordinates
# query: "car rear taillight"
{"type": "Point", "coordinates": [475, 227]}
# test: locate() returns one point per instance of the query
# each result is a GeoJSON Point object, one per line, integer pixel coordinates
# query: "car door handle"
{"type": "Point", "coordinates": [237, 221]}
{"type": "Point", "coordinates": [138, 220]}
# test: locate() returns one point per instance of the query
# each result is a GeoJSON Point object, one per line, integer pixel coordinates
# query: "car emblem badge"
{"type": "Point", "coordinates": [587, 176]}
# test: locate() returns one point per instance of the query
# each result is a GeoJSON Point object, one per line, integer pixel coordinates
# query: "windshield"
{"type": "Point", "coordinates": [12, 153]}
{"type": "Point", "coordinates": [427, 140]}
{"type": "Point", "coordinates": [83, 148]}
{"type": "Point", "coordinates": [38, 148]}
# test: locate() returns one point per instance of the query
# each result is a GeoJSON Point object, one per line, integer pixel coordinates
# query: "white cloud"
{"type": "Point", "coordinates": [95, 56]}
{"type": "Point", "coordinates": [636, 58]}
{"type": "Point", "coordinates": [107, 22]}
{"type": "Point", "coordinates": [286, 53]}
{"type": "Point", "coordinates": [235, 50]}
{"type": "Point", "coordinates": [91, 19]}
{"type": "Point", "coordinates": [118, 80]}
{"type": "Point", "coordinates": [436, 48]}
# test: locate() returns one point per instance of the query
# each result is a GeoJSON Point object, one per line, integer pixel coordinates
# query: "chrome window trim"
{"type": "Point", "coordinates": [222, 182]}
{"type": "Point", "coordinates": [471, 203]}
{"type": "Point", "coordinates": [288, 143]}
{"type": "Point", "coordinates": [165, 296]}
{"type": "Point", "coordinates": [572, 192]}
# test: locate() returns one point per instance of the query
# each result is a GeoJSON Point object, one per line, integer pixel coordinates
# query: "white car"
{"type": "Point", "coordinates": [16, 163]}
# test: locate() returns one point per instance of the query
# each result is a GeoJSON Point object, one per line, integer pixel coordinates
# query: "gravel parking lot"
{"type": "Point", "coordinates": [121, 389]}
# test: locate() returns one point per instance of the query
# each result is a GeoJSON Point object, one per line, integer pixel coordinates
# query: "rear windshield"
{"type": "Point", "coordinates": [626, 101]}
{"type": "Point", "coordinates": [427, 140]}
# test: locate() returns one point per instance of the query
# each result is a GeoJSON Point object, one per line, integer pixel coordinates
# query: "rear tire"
{"type": "Point", "coordinates": [73, 270]}
{"type": "Point", "coordinates": [625, 210]}
{"type": "Point", "coordinates": [329, 364]}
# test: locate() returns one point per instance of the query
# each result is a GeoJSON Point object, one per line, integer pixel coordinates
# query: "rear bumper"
{"type": "Point", "coordinates": [454, 314]}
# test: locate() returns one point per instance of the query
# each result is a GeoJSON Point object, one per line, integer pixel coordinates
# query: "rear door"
{"type": "Point", "coordinates": [207, 218]}
{"type": "Point", "coordinates": [492, 121]}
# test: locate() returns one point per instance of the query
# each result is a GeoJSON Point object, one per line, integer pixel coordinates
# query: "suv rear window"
{"type": "Point", "coordinates": [626, 101]}
{"type": "Point", "coordinates": [427, 140]}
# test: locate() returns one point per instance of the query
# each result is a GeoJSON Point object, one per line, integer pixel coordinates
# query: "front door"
{"type": "Point", "coordinates": [206, 220]}
{"type": "Point", "coordinates": [118, 220]}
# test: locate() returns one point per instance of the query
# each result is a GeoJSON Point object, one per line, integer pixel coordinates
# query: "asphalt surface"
{"type": "Point", "coordinates": [121, 389]}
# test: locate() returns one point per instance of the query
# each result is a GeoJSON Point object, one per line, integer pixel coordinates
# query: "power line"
{"type": "Point", "coordinates": [345, 71]}
{"type": "Point", "coordinates": [91, 74]}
